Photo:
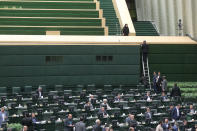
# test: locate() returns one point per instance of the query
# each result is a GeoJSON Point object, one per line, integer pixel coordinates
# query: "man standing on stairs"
{"type": "Point", "coordinates": [145, 51]}
{"type": "Point", "coordinates": [125, 30]}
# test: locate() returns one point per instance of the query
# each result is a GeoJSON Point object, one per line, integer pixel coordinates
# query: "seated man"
{"type": "Point", "coordinates": [97, 127]}
{"type": "Point", "coordinates": [39, 92]}
{"type": "Point", "coordinates": [88, 105]}
{"type": "Point", "coordinates": [148, 116]}
{"type": "Point", "coordinates": [102, 113]}
{"type": "Point", "coordinates": [105, 104]}
{"type": "Point", "coordinates": [148, 97]}
{"type": "Point", "coordinates": [163, 97]}
{"type": "Point", "coordinates": [118, 98]}
{"type": "Point", "coordinates": [130, 120]}
{"type": "Point", "coordinates": [191, 109]}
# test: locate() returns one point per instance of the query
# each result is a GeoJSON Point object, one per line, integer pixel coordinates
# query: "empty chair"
{"type": "Point", "coordinates": [3, 91]}
{"type": "Point", "coordinates": [28, 89]}
{"type": "Point", "coordinates": [59, 88]}
{"type": "Point", "coordinates": [16, 90]}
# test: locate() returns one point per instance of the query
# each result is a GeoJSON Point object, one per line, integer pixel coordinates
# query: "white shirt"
{"type": "Point", "coordinates": [177, 111]}
{"type": "Point", "coordinates": [40, 95]}
{"type": "Point", "coordinates": [3, 116]}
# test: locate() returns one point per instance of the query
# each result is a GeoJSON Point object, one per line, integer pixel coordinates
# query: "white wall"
{"type": "Point", "coordinates": [166, 13]}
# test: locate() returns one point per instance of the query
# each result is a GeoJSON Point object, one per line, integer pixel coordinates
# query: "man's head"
{"type": "Point", "coordinates": [118, 96]}
{"type": "Point", "coordinates": [25, 128]}
{"type": "Point", "coordinates": [91, 96]}
{"type": "Point", "coordinates": [144, 42]}
{"type": "Point", "coordinates": [33, 115]}
{"type": "Point", "coordinates": [70, 116]}
{"type": "Point", "coordinates": [126, 25]}
{"type": "Point", "coordinates": [131, 116]}
{"type": "Point", "coordinates": [102, 109]}
{"type": "Point", "coordinates": [171, 107]}
{"type": "Point", "coordinates": [154, 73]}
{"type": "Point", "coordinates": [163, 94]}
{"type": "Point", "coordinates": [105, 101]}
{"type": "Point", "coordinates": [98, 122]}
{"type": "Point", "coordinates": [160, 122]}
{"type": "Point", "coordinates": [131, 129]}
{"type": "Point", "coordinates": [39, 88]}
{"type": "Point", "coordinates": [175, 84]}
{"type": "Point", "coordinates": [159, 73]}
{"type": "Point", "coordinates": [148, 93]}
{"type": "Point", "coordinates": [81, 118]}
{"type": "Point", "coordinates": [166, 120]}
{"type": "Point", "coordinates": [148, 109]}
{"type": "Point", "coordinates": [190, 107]}
{"type": "Point", "coordinates": [178, 106]}
{"type": "Point", "coordinates": [2, 109]}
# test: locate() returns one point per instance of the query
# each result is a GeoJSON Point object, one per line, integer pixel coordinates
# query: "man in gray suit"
{"type": "Point", "coordinates": [80, 126]}
{"type": "Point", "coordinates": [164, 84]}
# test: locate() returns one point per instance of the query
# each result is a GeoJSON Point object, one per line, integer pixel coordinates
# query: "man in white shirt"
{"type": "Point", "coordinates": [3, 116]}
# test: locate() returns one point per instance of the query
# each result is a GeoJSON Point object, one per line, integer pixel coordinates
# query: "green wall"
{"type": "Point", "coordinates": [69, 65]}
{"type": "Point", "coordinates": [178, 62]}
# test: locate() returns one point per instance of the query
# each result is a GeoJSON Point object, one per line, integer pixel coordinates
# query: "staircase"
{"type": "Point", "coordinates": [146, 73]}
{"type": "Point", "coordinates": [145, 28]}
{"type": "Point", "coordinates": [111, 19]}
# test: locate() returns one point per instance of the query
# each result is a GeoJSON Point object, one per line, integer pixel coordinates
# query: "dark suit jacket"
{"type": "Point", "coordinates": [147, 116]}
{"type": "Point", "coordinates": [27, 121]}
{"type": "Point", "coordinates": [175, 92]}
{"type": "Point", "coordinates": [174, 114]}
{"type": "Point", "coordinates": [132, 123]}
{"type": "Point", "coordinates": [100, 113]}
{"type": "Point", "coordinates": [166, 126]}
{"type": "Point", "coordinates": [146, 97]}
{"type": "Point", "coordinates": [97, 128]}
{"type": "Point", "coordinates": [37, 92]}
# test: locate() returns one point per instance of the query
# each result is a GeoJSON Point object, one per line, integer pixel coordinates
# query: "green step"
{"type": "Point", "coordinates": [39, 32]}
{"type": "Point", "coordinates": [47, 5]}
{"type": "Point", "coordinates": [49, 13]}
{"type": "Point", "coordinates": [50, 22]}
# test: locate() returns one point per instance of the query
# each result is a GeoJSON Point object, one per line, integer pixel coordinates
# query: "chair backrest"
{"type": "Point", "coordinates": [27, 89]}
{"type": "Point", "coordinates": [16, 90]}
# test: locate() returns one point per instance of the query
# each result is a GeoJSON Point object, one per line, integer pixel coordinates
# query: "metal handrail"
{"type": "Point", "coordinates": [148, 73]}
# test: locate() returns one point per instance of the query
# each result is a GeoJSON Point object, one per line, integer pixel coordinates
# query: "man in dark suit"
{"type": "Point", "coordinates": [27, 121]}
{"type": "Point", "coordinates": [145, 51]}
{"type": "Point", "coordinates": [166, 125]}
{"type": "Point", "coordinates": [176, 112]}
{"type": "Point", "coordinates": [130, 120]}
{"type": "Point", "coordinates": [102, 112]}
{"type": "Point", "coordinates": [148, 97]}
{"type": "Point", "coordinates": [97, 127]}
{"type": "Point", "coordinates": [68, 124]}
{"type": "Point", "coordinates": [80, 126]}
{"type": "Point", "coordinates": [158, 82]}
{"type": "Point", "coordinates": [39, 92]}
{"type": "Point", "coordinates": [154, 81]}
{"type": "Point", "coordinates": [125, 30]}
{"type": "Point", "coordinates": [175, 91]}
